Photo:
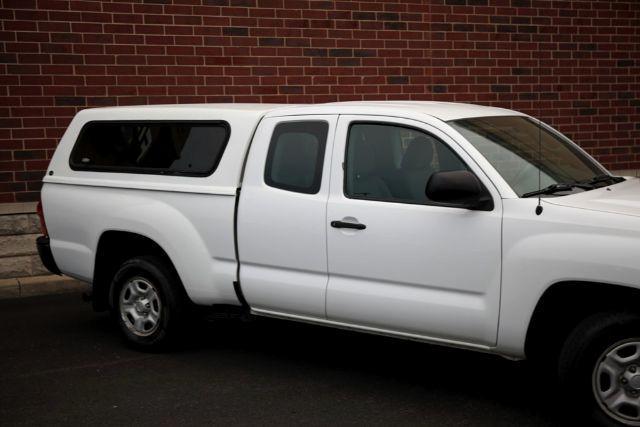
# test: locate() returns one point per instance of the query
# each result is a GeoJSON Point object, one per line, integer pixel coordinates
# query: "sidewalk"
{"type": "Point", "coordinates": [39, 285]}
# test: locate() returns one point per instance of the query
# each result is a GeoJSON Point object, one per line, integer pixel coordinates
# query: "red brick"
{"type": "Point", "coordinates": [63, 55]}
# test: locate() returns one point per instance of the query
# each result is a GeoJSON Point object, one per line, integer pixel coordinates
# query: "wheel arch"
{"type": "Point", "coordinates": [114, 248]}
{"type": "Point", "coordinates": [564, 304]}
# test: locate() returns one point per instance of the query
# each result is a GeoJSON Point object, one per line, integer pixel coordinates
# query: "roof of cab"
{"type": "Point", "coordinates": [442, 110]}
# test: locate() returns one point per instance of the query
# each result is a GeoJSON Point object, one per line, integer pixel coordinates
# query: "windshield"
{"type": "Point", "coordinates": [518, 149]}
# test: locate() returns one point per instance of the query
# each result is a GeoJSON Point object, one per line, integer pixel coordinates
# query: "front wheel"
{"type": "Point", "coordinates": [600, 368]}
{"type": "Point", "coordinates": [148, 303]}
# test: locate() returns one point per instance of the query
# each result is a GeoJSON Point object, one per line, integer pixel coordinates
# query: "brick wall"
{"type": "Point", "coordinates": [576, 64]}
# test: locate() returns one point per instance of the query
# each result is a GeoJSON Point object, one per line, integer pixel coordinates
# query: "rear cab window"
{"type": "Point", "coordinates": [186, 148]}
{"type": "Point", "coordinates": [296, 156]}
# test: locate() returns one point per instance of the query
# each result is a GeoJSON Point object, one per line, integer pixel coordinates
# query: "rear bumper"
{"type": "Point", "coordinates": [44, 250]}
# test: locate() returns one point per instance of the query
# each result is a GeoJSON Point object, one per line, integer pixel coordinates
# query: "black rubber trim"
{"type": "Point", "coordinates": [236, 283]}
{"type": "Point", "coordinates": [239, 294]}
{"type": "Point", "coordinates": [44, 250]}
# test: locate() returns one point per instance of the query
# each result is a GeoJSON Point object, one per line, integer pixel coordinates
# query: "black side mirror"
{"type": "Point", "coordinates": [459, 189]}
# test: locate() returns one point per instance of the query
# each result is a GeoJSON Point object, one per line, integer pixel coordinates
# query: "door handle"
{"type": "Point", "coordinates": [343, 224]}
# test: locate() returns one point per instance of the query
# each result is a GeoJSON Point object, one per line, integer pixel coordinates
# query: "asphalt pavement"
{"type": "Point", "coordinates": [62, 364]}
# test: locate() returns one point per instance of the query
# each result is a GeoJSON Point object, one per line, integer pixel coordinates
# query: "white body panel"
{"type": "Point", "coordinates": [473, 282]}
{"type": "Point", "coordinates": [200, 245]}
{"type": "Point", "coordinates": [282, 235]}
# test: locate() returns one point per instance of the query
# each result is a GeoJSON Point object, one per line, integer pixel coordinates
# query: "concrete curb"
{"type": "Point", "coordinates": [39, 285]}
{"type": "Point", "coordinates": [17, 208]}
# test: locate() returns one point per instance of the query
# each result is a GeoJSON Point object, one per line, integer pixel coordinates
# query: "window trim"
{"type": "Point", "coordinates": [393, 200]}
{"type": "Point", "coordinates": [150, 171]}
{"type": "Point", "coordinates": [320, 161]}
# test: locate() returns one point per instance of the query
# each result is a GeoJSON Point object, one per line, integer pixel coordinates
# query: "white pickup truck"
{"type": "Point", "coordinates": [453, 224]}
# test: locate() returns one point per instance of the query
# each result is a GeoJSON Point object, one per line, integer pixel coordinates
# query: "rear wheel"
{"type": "Point", "coordinates": [600, 368]}
{"type": "Point", "coordinates": [148, 303]}
{"type": "Point", "coordinates": [140, 306]}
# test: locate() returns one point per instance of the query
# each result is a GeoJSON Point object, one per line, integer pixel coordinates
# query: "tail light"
{"type": "Point", "coordinates": [43, 225]}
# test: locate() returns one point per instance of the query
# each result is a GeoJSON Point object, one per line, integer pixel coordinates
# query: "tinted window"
{"type": "Point", "coordinates": [394, 163]}
{"type": "Point", "coordinates": [179, 148]}
{"type": "Point", "coordinates": [296, 156]}
{"type": "Point", "coordinates": [527, 156]}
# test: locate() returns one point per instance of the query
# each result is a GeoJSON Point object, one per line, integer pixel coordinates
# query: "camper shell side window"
{"type": "Point", "coordinates": [184, 148]}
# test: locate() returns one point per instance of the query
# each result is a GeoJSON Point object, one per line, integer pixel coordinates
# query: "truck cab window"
{"type": "Point", "coordinates": [393, 163]}
{"type": "Point", "coordinates": [296, 156]}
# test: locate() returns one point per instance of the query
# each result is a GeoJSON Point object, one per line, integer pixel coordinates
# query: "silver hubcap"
{"type": "Point", "coordinates": [140, 306]}
{"type": "Point", "coordinates": [616, 382]}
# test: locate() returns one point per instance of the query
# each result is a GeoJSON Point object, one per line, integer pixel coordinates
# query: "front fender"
{"type": "Point", "coordinates": [561, 245]}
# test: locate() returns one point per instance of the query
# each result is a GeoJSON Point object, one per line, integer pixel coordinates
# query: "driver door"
{"type": "Point", "coordinates": [399, 263]}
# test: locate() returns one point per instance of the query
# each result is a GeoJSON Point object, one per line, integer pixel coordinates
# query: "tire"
{"type": "Point", "coordinates": [148, 303]}
{"type": "Point", "coordinates": [599, 364]}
